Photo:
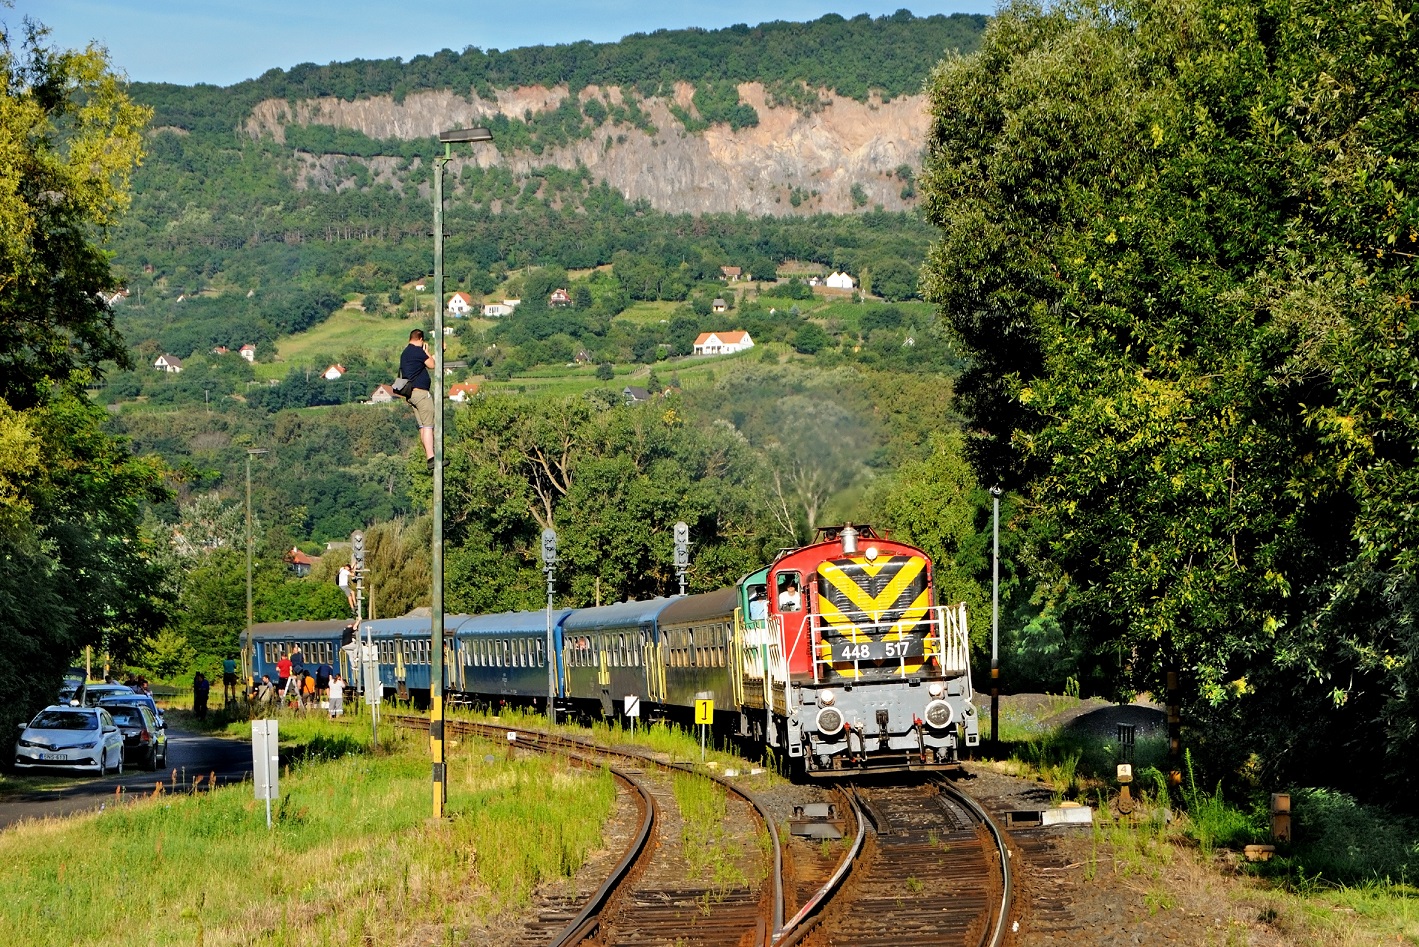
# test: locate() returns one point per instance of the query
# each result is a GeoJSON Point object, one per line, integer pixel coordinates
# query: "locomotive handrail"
{"type": "Point", "coordinates": [946, 621]}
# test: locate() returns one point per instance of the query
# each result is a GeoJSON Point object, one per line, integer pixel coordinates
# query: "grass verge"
{"type": "Point", "coordinates": [351, 858]}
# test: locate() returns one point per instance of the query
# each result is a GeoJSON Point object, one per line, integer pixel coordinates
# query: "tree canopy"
{"type": "Point", "coordinates": [1177, 245]}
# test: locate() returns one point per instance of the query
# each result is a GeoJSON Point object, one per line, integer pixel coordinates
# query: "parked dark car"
{"type": "Point", "coordinates": [133, 698]}
{"type": "Point", "coordinates": [145, 739]}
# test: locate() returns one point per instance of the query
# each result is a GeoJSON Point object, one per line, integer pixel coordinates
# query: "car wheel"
{"type": "Point", "coordinates": [103, 763]}
{"type": "Point", "coordinates": [120, 763]}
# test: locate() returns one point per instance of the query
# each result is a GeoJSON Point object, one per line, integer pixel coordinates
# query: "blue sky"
{"type": "Point", "coordinates": [225, 41]}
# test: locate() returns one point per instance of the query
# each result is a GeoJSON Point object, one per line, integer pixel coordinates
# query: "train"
{"type": "Point", "coordinates": [835, 657]}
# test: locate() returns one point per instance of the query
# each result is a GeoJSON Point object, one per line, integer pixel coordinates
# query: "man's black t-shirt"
{"type": "Point", "coordinates": [412, 367]}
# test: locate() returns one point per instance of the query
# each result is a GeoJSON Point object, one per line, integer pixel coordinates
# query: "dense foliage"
{"type": "Point", "coordinates": [78, 569]}
{"type": "Point", "coordinates": [890, 54]}
{"type": "Point", "coordinates": [1178, 245]}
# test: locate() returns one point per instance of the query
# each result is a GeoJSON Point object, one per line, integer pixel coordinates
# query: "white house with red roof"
{"type": "Point", "coordinates": [462, 391]}
{"type": "Point", "coordinates": [722, 343]}
{"type": "Point", "coordinates": [460, 304]}
{"type": "Point", "coordinates": [383, 394]}
{"type": "Point", "coordinates": [248, 352]}
{"type": "Point", "coordinates": [559, 299]}
{"type": "Point", "coordinates": [333, 373]}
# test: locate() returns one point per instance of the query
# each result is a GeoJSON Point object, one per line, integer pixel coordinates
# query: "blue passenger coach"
{"type": "Point", "coordinates": [610, 652]}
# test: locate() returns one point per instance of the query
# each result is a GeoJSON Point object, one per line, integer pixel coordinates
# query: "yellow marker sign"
{"type": "Point", "coordinates": [704, 711]}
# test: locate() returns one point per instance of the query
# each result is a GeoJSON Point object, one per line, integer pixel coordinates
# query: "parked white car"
{"type": "Point", "coordinates": [71, 737]}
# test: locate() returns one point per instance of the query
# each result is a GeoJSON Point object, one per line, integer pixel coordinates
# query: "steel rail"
{"type": "Point", "coordinates": [777, 920]}
{"type": "Point", "coordinates": [550, 739]}
{"type": "Point", "coordinates": [797, 927]}
{"type": "Point", "coordinates": [588, 919]}
{"type": "Point", "coordinates": [580, 927]}
{"type": "Point", "coordinates": [996, 937]}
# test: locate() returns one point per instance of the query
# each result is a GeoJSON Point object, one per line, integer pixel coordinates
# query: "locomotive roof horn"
{"type": "Point", "coordinates": [849, 538]}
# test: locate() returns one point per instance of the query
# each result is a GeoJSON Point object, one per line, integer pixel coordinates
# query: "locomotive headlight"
{"type": "Point", "coordinates": [939, 714]}
{"type": "Point", "coordinates": [871, 553]}
{"type": "Point", "coordinates": [826, 698]}
{"type": "Point", "coordinates": [830, 721]}
{"type": "Point", "coordinates": [936, 689]}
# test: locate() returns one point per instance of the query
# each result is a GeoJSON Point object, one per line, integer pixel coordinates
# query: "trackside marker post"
{"type": "Point", "coordinates": [265, 762]}
{"type": "Point", "coordinates": [704, 716]}
{"type": "Point", "coordinates": [633, 710]}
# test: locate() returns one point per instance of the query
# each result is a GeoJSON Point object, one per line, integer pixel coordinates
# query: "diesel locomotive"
{"type": "Point", "coordinates": [835, 655]}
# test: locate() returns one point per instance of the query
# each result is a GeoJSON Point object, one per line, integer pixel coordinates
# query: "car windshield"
{"type": "Point", "coordinates": [65, 720]}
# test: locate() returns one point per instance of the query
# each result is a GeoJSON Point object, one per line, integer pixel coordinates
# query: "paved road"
{"type": "Point", "coordinates": [189, 754]}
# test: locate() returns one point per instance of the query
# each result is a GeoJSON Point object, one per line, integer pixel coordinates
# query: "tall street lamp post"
{"type": "Point", "coordinates": [436, 674]}
{"type": "Point", "coordinates": [995, 621]}
{"type": "Point", "coordinates": [246, 645]}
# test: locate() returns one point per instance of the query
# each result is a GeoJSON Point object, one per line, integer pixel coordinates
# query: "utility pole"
{"type": "Point", "coordinates": [549, 566]}
{"type": "Point", "coordinates": [246, 646]}
{"type": "Point", "coordinates": [995, 622]}
{"type": "Point", "coordinates": [436, 671]}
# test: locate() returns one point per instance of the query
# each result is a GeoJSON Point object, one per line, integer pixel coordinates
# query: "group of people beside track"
{"type": "Point", "coordinates": [297, 686]}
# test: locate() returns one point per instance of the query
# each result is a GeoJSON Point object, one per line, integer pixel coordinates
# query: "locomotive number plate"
{"type": "Point", "coordinates": [877, 650]}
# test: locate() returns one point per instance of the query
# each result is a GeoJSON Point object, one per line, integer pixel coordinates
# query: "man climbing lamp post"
{"type": "Point", "coordinates": [436, 390]}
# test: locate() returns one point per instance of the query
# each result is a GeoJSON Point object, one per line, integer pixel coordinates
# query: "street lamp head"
{"type": "Point", "coordinates": [995, 492]}
{"type": "Point", "coordinates": [253, 451]}
{"type": "Point", "coordinates": [465, 134]}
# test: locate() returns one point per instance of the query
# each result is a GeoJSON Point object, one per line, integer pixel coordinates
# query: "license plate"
{"type": "Point", "coordinates": [890, 650]}
{"type": "Point", "coordinates": [57, 757]}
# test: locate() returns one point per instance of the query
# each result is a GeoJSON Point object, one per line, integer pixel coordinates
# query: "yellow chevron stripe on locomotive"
{"type": "Point", "coordinates": [862, 601]}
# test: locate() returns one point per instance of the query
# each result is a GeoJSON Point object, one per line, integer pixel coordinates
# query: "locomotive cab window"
{"type": "Point", "coordinates": [789, 591]}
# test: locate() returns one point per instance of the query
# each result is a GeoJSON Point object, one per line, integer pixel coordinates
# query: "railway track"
{"type": "Point", "coordinates": [720, 887]}
{"type": "Point", "coordinates": [927, 867]}
{"type": "Point", "coordinates": [923, 864]}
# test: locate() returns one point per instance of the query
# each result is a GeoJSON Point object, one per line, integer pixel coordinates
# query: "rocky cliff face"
{"type": "Point", "coordinates": [817, 156]}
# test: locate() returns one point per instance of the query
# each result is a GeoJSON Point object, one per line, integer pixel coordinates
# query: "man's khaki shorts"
{"type": "Point", "coordinates": [423, 404]}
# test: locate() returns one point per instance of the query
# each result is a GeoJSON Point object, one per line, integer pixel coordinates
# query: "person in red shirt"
{"type": "Point", "coordinates": [283, 673]}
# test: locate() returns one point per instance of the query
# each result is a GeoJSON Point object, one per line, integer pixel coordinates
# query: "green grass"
{"type": "Point", "coordinates": [347, 331]}
{"type": "Point", "coordinates": [352, 856]}
{"type": "Point", "coordinates": [649, 313]}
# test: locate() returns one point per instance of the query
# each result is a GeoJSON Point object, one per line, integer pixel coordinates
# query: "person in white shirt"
{"type": "Point", "coordinates": [789, 600]}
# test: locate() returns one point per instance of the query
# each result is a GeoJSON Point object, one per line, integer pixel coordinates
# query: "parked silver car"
{"type": "Point", "coordinates": [71, 737]}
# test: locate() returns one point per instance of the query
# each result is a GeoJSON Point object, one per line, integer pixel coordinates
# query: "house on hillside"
{"type": "Point", "coordinates": [722, 343]}
{"type": "Point", "coordinates": [719, 305]}
{"type": "Point", "coordinates": [462, 391]}
{"type": "Point", "coordinates": [838, 281]}
{"type": "Point", "coordinates": [221, 350]}
{"type": "Point", "coordinates": [298, 562]}
{"type": "Point", "coordinates": [168, 363]}
{"type": "Point", "coordinates": [732, 274]}
{"type": "Point", "coordinates": [248, 352]}
{"type": "Point", "coordinates": [633, 394]}
{"type": "Point", "coordinates": [460, 305]}
{"type": "Point", "coordinates": [559, 299]}
{"type": "Point", "coordinates": [334, 372]}
{"type": "Point", "coordinates": [496, 310]}
{"type": "Point", "coordinates": [383, 394]}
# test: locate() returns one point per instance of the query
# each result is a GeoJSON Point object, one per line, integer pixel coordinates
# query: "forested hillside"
{"type": "Point", "coordinates": [672, 184]}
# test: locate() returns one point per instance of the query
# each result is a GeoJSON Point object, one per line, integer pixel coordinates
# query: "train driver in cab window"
{"type": "Point", "coordinates": [789, 598]}
{"type": "Point", "coordinates": [758, 603]}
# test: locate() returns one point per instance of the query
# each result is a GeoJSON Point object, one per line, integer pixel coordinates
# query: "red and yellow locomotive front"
{"type": "Point", "coordinates": [878, 673]}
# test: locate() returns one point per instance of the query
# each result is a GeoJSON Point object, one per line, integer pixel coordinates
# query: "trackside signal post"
{"type": "Point", "coordinates": [682, 552]}
{"type": "Point", "coordinates": [995, 622]}
{"type": "Point", "coordinates": [436, 671]}
{"type": "Point", "coordinates": [549, 566]}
